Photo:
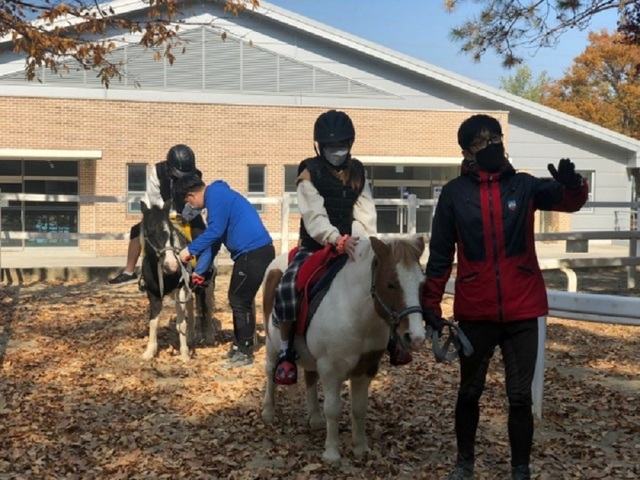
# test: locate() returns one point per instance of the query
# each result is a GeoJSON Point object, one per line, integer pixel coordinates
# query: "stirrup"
{"type": "Point", "coordinates": [286, 372]}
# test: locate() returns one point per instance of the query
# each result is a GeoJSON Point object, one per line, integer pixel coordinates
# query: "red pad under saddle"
{"type": "Point", "coordinates": [310, 272]}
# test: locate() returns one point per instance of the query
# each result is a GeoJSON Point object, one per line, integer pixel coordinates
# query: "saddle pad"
{"type": "Point", "coordinates": [313, 267]}
{"type": "Point", "coordinates": [316, 289]}
{"type": "Point", "coordinates": [184, 230]}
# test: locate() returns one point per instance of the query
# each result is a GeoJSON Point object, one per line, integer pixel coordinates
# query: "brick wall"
{"type": "Point", "coordinates": [225, 139]}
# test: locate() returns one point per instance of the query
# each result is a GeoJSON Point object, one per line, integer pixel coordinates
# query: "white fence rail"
{"type": "Point", "coordinates": [565, 305]}
{"type": "Point", "coordinates": [587, 307]}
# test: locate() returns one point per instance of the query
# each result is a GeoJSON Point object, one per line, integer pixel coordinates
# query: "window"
{"type": "Point", "coordinates": [10, 168]}
{"type": "Point", "coordinates": [290, 175]}
{"type": "Point", "coordinates": [136, 186]}
{"type": "Point", "coordinates": [590, 177]}
{"type": "Point", "coordinates": [40, 177]}
{"type": "Point", "coordinates": [257, 184]}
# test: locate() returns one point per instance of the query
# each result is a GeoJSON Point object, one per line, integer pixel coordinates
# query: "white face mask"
{"type": "Point", "coordinates": [335, 155]}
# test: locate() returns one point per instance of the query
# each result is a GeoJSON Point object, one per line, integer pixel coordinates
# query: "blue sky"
{"type": "Point", "coordinates": [420, 28]}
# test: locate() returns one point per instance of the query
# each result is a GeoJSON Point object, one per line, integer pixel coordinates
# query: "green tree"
{"type": "Point", "coordinates": [507, 27]}
{"type": "Point", "coordinates": [47, 31]}
{"type": "Point", "coordinates": [523, 84]}
{"type": "Point", "coordinates": [602, 85]}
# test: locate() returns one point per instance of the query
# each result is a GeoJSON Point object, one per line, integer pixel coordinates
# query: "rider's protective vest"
{"type": "Point", "coordinates": [165, 179]}
{"type": "Point", "coordinates": [339, 198]}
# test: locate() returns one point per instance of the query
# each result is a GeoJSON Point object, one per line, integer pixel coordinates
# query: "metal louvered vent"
{"type": "Point", "coordinates": [186, 71]}
{"type": "Point", "coordinates": [142, 70]}
{"type": "Point", "coordinates": [207, 59]}
{"type": "Point", "coordinates": [259, 70]}
{"type": "Point", "coordinates": [222, 62]}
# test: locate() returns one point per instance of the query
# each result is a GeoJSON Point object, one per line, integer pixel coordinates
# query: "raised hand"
{"type": "Point", "coordinates": [566, 174]}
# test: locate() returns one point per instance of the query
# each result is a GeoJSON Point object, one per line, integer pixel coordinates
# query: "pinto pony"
{"type": "Point", "coordinates": [371, 298]}
{"type": "Point", "coordinates": [163, 274]}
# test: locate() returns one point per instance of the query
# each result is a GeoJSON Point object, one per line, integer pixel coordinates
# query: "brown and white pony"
{"type": "Point", "coordinates": [371, 298]}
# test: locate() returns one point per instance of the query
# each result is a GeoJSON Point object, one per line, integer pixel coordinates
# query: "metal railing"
{"type": "Point", "coordinates": [566, 305]}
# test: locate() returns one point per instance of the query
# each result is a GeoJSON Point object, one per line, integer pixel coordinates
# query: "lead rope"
{"type": "Point", "coordinates": [455, 337]}
{"type": "Point", "coordinates": [184, 274]}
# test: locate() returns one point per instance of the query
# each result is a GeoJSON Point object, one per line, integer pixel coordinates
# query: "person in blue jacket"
{"type": "Point", "coordinates": [233, 222]}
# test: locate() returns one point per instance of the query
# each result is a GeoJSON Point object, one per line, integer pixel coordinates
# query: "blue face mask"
{"type": "Point", "coordinates": [189, 213]}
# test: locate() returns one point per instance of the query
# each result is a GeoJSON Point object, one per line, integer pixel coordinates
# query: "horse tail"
{"type": "Point", "coordinates": [271, 281]}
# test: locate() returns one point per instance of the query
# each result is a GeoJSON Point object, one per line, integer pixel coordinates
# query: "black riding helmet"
{"type": "Point", "coordinates": [181, 159]}
{"type": "Point", "coordinates": [333, 127]}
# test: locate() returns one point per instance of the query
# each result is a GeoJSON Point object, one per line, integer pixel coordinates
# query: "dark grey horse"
{"type": "Point", "coordinates": [163, 274]}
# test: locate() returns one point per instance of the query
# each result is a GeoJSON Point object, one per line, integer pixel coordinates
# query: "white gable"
{"type": "Point", "coordinates": [274, 56]}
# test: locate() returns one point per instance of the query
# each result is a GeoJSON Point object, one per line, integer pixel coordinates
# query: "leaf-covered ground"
{"type": "Point", "coordinates": [77, 402]}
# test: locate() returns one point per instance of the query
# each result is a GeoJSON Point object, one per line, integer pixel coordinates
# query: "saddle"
{"type": "Point", "coordinates": [313, 281]}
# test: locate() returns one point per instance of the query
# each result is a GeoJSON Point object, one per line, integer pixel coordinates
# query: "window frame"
{"type": "Point", "coordinates": [261, 170]}
{"type": "Point", "coordinates": [291, 190]}
{"type": "Point", "coordinates": [134, 196]}
{"type": "Point", "coordinates": [590, 177]}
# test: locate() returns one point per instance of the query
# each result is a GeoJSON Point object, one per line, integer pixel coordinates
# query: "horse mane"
{"type": "Point", "coordinates": [404, 251]}
{"type": "Point", "coordinates": [154, 221]}
{"type": "Point", "coordinates": [156, 217]}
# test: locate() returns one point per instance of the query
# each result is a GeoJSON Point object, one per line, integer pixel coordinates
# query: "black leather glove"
{"type": "Point", "coordinates": [566, 174]}
{"type": "Point", "coordinates": [432, 320]}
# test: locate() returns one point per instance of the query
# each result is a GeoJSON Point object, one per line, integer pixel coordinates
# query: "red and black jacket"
{"type": "Point", "coordinates": [489, 219]}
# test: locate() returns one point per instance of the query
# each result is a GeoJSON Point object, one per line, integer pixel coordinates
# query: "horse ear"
{"type": "Point", "coordinates": [143, 207]}
{"type": "Point", "coordinates": [166, 208]}
{"type": "Point", "coordinates": [419, 244]}
{"type": "Point", "coordinates": [380, 248]}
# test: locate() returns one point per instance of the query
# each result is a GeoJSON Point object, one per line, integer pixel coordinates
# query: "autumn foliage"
{"type": "Point", "coordinates": [602, 86]}
{"type": "Point", "coordinates": [50, 31]}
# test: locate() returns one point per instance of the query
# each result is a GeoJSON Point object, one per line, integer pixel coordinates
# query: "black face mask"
{"type": "Point", "coordinates": [491, 158]}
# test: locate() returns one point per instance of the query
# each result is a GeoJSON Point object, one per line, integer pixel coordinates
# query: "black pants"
{"type": "Point", "coordinates": [247, 275]}
{"type": "Point", "coordinates": [518, 343]}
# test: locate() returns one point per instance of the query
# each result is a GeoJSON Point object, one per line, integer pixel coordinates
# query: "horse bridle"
{"type": "Point", "coordinates": [394, 317]}
{"type": "Point", "coordinates": [456, 336]}
{"type": "Point", "coordinates": [184, 272]}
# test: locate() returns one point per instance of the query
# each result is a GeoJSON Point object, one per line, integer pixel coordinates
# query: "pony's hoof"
{"type": "Point", "coordinates": [331, 455]}
{"type": "Point", "coordinates": [317, 422]}
{"type": "Point", "coordinates": [360, 450]}
{"type": "Point", "coordinates": [268, 416]}
{"type": "Point", "coordinates": [148, 354]}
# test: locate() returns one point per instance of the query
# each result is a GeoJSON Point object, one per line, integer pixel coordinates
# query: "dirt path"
{"type": "Point", "coordinates": [77, 402]}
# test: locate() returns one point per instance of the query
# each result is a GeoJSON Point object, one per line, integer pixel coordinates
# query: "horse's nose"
{"type": "Point", "coordinates": [414, 341]}
{"type": "Point", "coordinates": [170, 264]}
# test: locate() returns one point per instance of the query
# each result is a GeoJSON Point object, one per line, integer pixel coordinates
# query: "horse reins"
{"type": "Point", "coordinates": [184, 272]}
{"type": "Point", "coordinates": [455, 337]}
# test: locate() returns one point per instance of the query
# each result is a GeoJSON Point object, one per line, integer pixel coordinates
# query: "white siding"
{"type": "Point", "coordinates": [532, 147]}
